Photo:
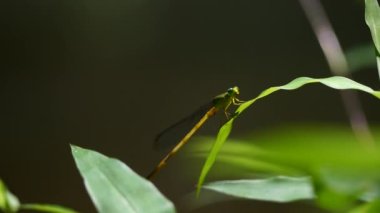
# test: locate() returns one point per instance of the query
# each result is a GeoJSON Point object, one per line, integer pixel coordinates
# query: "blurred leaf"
{"type": "Point", "coordinates": [229, 163]}
{"type": "Point", "coordinates": [277, 189]}
{"type": "Point", "coordinates": [373, 207]}
{"type": "Point", "coordinates": [334, 201]}
{"type": "Point", "coordinates": [317, 150]}
{"type": "Point", "coordinates": [372, 194]}
{"type": "Point", "coordinates": [47, 208]}
{"type": "Point", "coordinates": [304, 147]}
{"type": "Point", "coordinates": [345, 181]}
{"type": "Point", "coordinates": [361, 57]}
{"type": "Point", "coordinates": [334, 195]}
{"type": "Point", "coordinates": [8, 201]}
{"type": "Point", "coordinates": [3, 196]}
{"type": "Point", "coordinates": [372, 18]}
{"type": "Point", "coordinates": [335, 82]}
{"type": "Point", "coordinates": [114, 187]}
{"type": "Point", "coordinates": [254, 165]}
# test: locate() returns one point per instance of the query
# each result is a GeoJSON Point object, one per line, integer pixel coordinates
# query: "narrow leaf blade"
{"type": "Point", "coordinates": [222, 137]}
{"type": "Point", "coordinates": [335, 82]}
{"type": "Point", "coordinates": [8, 201]}
{"type": "Point", "coordinates": [47, 208]}
{"type": "Point", "coordinates": [372, 18]}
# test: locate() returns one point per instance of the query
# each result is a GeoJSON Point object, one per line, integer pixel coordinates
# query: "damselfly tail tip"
{"type": "Point", "coordinates": [151, 174]}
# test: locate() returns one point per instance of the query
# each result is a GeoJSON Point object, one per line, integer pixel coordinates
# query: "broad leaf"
{"type": "Point", "coordinates": [276, 189]}
{"type": "Point", "coordinates": [114, 187]}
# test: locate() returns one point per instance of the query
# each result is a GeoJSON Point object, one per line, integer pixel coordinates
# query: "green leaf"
{"type": "Point", "coordinates": [361, 57]}
{"type": "Point", "coordinates": [373, 207]}
{"type": "Point", "coordinates": [46, 208]}
{"type": "Point", "coordinates": [336, 82]}
{"type": "Point", "coordinates": [8, 201]}
{"type": "Point", "coordinates": [333, 201]}
{"type": "Point", "coordinates": [222, 136]}
{"type": "Point", "coordinates": [372, 18]}
{"type": "Point", "coordinates": [238, 158]}
{"type": "Point", "coordinates": [3, 196]}
{"type": "Point", "coordinates": [277, 189]}
{"type": "Point", "coordinates": [303, 147]}
{"type": "Point", "coordinates": [317, 150]}
{"type": "Point", "coordinates": [114, 187]}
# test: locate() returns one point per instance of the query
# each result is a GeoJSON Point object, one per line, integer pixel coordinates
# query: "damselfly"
{"type": "Point", "coordinates": [220, 102]}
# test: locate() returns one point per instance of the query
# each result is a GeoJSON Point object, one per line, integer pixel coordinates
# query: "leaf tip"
{"type": "Point", "coordinates": [75, 148]}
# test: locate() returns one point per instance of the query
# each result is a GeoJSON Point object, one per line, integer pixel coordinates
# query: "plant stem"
{"type": "Point", "coordinates": [338, 65]}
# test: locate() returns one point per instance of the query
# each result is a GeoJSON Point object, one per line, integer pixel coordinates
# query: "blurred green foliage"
{"type": "Point", "coordinates": [344, 173]}
{"type": "Point", "coordinates": [9, 203]}
{"type": "Point", "coordinates": [361, 57]}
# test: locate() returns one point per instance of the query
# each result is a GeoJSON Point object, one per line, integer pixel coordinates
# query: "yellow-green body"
{"type": "Point", "coordinates": [224, 100]}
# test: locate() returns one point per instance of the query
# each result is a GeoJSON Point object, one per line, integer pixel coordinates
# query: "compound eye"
{"type": "Point", "coordinates": [230, 90]}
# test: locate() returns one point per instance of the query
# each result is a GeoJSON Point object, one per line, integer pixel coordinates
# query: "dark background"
{"type": "Point", "coordinates": [109, 75]}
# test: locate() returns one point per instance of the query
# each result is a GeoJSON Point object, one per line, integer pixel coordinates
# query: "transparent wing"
{"type": "Point", "coordinates": [174, 133]}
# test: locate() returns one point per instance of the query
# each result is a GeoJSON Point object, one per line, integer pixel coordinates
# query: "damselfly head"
{"type": "Point", "coordinates": [233, 91]}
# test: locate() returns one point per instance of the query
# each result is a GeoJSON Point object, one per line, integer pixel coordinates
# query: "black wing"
{"type": "Point", "coordinates": [174, 133]}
